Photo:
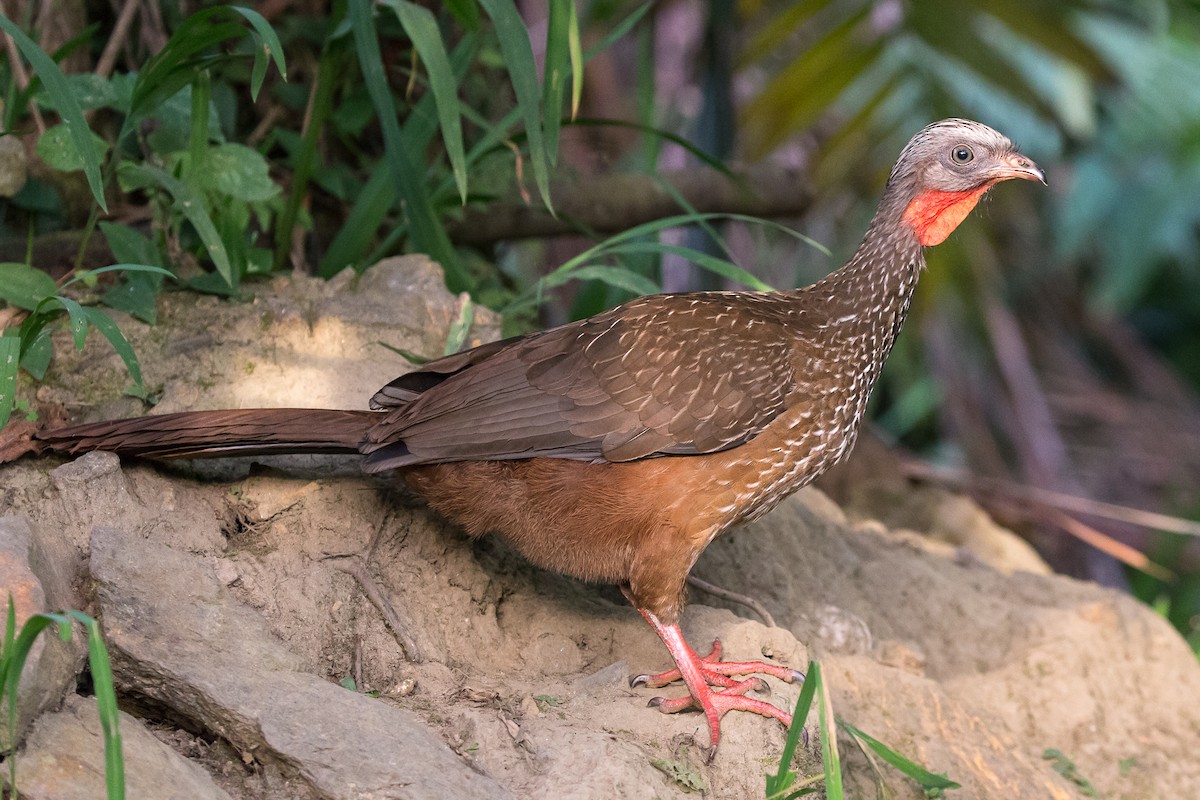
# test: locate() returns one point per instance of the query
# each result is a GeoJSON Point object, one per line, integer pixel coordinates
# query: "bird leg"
{"type": "Point", "coordinates": [702, 674]}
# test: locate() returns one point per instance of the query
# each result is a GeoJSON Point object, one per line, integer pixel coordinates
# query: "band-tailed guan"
{"type": "Point", "coordinates": [616, 448]}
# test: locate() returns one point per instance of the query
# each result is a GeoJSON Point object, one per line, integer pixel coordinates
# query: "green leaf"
{"type": "Point", "coordinates": [88, 274]}
{"type": "Point", "coordinates": [129, 246]}
{"type": "Point", "coordinates": [136, 295]}
{"type": "Point", "coordinates": [268, 48]}
{"type": "Point", "coordinates": [782, 781]}
{"type": "Point", "coordinates": [57, 147]}
{"type": "Point", "coordinates": [718, 266]}
{"type": "Point", "coordinates": [89, 89]}
{"type": "Point", "coordinates": [830, 759]}
{"type": "Point", "coordinates": [518, 57]}
{"type": "Point", "coordinates": [241, 172]}
{"type": "Point", "coordinates": [461, 327]}
{"type": "Point", "coordinates": [24, 286]}
{"type": "Point", "coordinates": [575, 51]}
{"type": "Point", "coordinates": [422, 29]}
{"type": "Point", "coordinates": [622, 28]}
{"type": "Point", "coordinates": [35, 358]}
{"type": "Point", "coordinates": [356, 234]}
{"type": "Point", "coordinates": [466, 12]}
{"type": "Point", "coordinates": [614, 276]}
{"type": "Point", "coordinates": [927, 779]}
{"type": "Point", "coordinates": [79, 320]}
{"type": "Point", "coordinates": [64, 99]}
{"type": "Point", "coordinates": [191, 206]}
{"type": "Point", "coordinates": [109, 329]}
{"type": "Point", "coordinates": [106, 705]}
{"type": "Point", "coordinates": [10, 358]}
{"type": "Point", "coordinates": [175, 66]}
{"type": "Point", "coordinates": [557, 66]}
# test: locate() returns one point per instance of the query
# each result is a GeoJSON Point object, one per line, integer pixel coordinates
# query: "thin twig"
{"type": "Point", "coordinates": [108, 58]}
{"type": "Point", "coordinates": [1058, 500]}
{"type": "Point", "coordinates": [20, 75]}
{"type": "Point", "coordinates": [400, 629]}
{"type": "Point", "coordinates": [1107, 544]}
{"type": "Point", "coordinates": [618, 201]}
{"type": "Point", "coordinates": [733, 597]}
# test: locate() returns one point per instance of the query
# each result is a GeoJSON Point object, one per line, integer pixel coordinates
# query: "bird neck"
{"type": "Point", "coordinates": [875, 287]}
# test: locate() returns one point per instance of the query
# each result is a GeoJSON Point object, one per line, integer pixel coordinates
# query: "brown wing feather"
{"type": "Point", "coordinates": [666, 374]}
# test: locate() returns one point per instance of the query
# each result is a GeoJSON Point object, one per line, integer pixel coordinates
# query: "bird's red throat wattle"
{"type": "Point", "coordinates": [934, 213]}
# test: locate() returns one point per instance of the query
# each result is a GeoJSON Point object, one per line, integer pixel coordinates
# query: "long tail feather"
{"type": "Point", "coordinates": [213, 434]}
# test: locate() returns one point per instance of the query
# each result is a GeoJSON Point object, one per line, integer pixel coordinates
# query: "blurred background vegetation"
{"type": "Point", "coordinates": [1052, 363]}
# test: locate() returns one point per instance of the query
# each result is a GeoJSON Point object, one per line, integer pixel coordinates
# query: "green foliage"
{"type": "Point", "coordinates": [66, 104]}
{"type": "Point", "coordinates": [15, 651]}
{"type": "Point", "coordinates": [786, 785]}
{"type": "Point", "coordinates": [219, 200]}
{"type": "Point", "coordinates": [29, 345]}
{"type": "Point", "coordinates": [1066, 767]}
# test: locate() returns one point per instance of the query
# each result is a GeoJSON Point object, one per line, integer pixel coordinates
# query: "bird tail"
{"type": "Point", "coordinates": [215, 434]}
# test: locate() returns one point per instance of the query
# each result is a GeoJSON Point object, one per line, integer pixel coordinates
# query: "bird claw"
{"type": "Point", "coordinates": [720, 673]}
{"type": "Point", "coordinates": [715, 687]}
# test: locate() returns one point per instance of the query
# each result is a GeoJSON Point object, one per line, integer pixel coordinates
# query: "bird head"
{"type": "Point", "coordinates": [946, 168]}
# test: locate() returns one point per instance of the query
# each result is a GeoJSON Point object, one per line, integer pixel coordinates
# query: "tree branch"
{"type": "Point", "coordinates": [616, 202]}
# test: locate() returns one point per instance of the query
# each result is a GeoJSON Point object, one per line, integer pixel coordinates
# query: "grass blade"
{"type": "Point", "coordinates": [173, 67]}
{"type": "Point", "coordinates": [268, 48]}
{"type": "Point", "coordinates": [428, 234]}
{"type": "Point", "coordinates": [79, 320]}
{"type": "Point", "coordinates": [16, 652]}
{"type": "Point", "coordinates": [718, 266]}
{"type": "Point", "coordinates": [422, 29]}
{"type": "Point", "coordinates": [461, 327]}
{"type": "Point", "coordinates": [86, 274]}
{"type": "Point", "coordinates": [109, 329]}
{"type": "Point", "coordinates": [106, 705]}
{"type": "Point", "coordinates": [557, 62]}
{"type": "Point", "coordinates": [192, 207]}
{"type": "Point", "coordinates": [830, 758]}
{"type": "Point", "coordinates": [575, 51]}
{"type": "Point", "coordinates": [356, 234]}
{"type": "Point", "coordinates": [10, 357]}
{"type": "Point", "coordinates": [622, 28]}
{"type": "Point", "coordinates": [614, 276]}
{"type": "Point", "coordinates": [928, 780]}
{"type": "Point", "coordinates": [782, 781]}
{"type": "Point", "coordinates": [518, 56]}
{"type": "Point", "coordinates": [65, 101]}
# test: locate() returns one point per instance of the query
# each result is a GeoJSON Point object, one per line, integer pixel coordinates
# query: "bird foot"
{"type": "Point", "coordinates": [720, 673]}
{"type": "Point", "coordinates": [712, 687]}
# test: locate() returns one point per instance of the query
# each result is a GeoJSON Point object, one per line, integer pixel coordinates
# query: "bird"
{"type": "Point", "coordinates": [616, 448]}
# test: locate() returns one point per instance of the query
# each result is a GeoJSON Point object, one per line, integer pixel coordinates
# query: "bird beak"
{"type": "Point", "coordinates": [1018, 166]}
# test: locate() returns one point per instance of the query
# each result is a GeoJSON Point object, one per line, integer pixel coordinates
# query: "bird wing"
{"type": "Point", "coordinates": [665, 374]}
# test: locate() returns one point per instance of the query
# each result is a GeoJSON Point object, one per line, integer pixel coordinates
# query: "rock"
{"type": "Point", "coordinates": [949, 518]}
{"type": "Point", "coordinates": [64, 760]}
{"type": "Point", "coordinates": [1000, 667]}
{"type": "Point", "coordinates": [36, 581]}
{"type": "Point", "coordinates": [96, 491]}
{"type": "Point", "coordinates": [177, 636]}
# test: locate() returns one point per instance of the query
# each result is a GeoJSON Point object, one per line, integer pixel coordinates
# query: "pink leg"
{"type": "Point", "coordinates": [701, 674]}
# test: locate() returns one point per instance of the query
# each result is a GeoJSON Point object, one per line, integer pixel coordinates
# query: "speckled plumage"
{"type": "Point", "coordinates": [617, 447]}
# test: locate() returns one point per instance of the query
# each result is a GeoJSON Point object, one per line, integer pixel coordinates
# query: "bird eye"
{"type": "Point", "coordinates": [962, 154]}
